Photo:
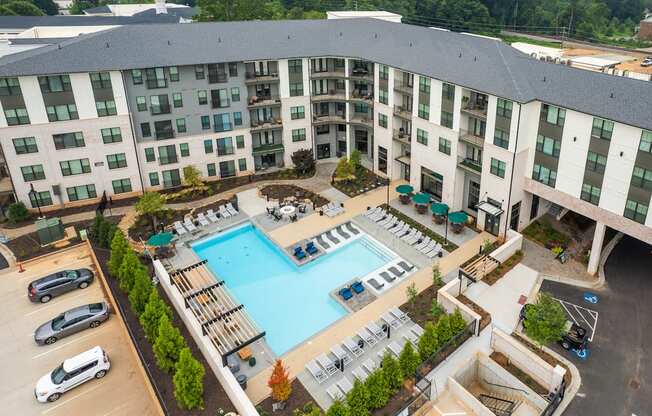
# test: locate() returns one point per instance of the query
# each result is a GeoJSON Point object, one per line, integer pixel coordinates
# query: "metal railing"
{"type": "Point", "coordinates": [444, 351]}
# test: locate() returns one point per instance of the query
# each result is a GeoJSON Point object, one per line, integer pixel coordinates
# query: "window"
{"type": "Point", "coordinates": [24, 145]}
{"type": "Point", "coordinates": [298, 135]}
{"type": "Point", "coordinates": [149, 154]}
{"type": "Point", "coordinates": [422, 137]}
{"type": "Point", "coordinates": [111, 135]}
{"type": "Point", "coordinates": [118, 160]}
{"type": "Point", "coordinates": [181, 125]}
{"type": "Point", "coordinates": [220, 98]}
{"type": "Point", "coordinates": [504, 108]}
{"type": "Point", "coordinates": [501, 138]}
{"type": "Point", "coordinates": [548, 145]}
{"type": "Point", "coordinates": [297, 112]}
{"type": "Point", "coordinates": [174, 73]}
{"type": "Point", "coordinates": [222, 122]}
{"type": "Point", "coordinates": [100, 80]}
{"type": "Point", "coordinates": [233, 69]}
{"type": "Point", "coordinates": [424, 111]}
{"type": "Point", "coordinates": [642, 178]}
{"type": "Point", "coordinates": [237, 118]}
{"type": "Point", "coordinates": [382, 120]}
{"type": "Point", "coordinates": [55, 83]}
{"type": "Point", "coordinates": [242, 164]}
{"type": "Point", "coordinates": [432, 183]}
{"type": "Point", "coordinates": [447, 91]}
{"type": "Point", "coordinates": [590, 194]}
{"type": "Point", "coordinates": [159, 104]}
{"type": "Point", "coordinates": [121, 186]}
{"type": "Point", "coordinates": [177, 100]}
{"type": "Point", "coordinates": [40, 199]}
{"type": "Point", "coordinates": [202, 97]}
{"type": "Point", "coordinates": [360, 108]}
{"type": "Point", "coordinates": [553, 115]}
{"type": "Point", "coordinates": [544, 175]}
{"type": "Point", "coordinates": [205, 122]}
{"type": "Point", "coordinates": [75, 167]}
{"type": "Point", "coordinates": [295, 66]}
{"type": "Point", "coordinates": [211, 170]}
{"type": "Point", "coordinates": [16, 116]}
{"type": "Point", "coordinates": [296, 89]}
{"type": "Point", "coordinates": [199, 72]}
{"type": "Point", "coordinates": [141, 103]}
{"type": "Point", "coordinates": [239, 142]}
{"type": "Point", "coordinates": [77, 193]}
{"type": "Point", "coordinates": [163, 129]}
{"type": "Point", "coordinates": [153, 179]}
{"type": "Point", "coordinates": [382, 159]}
{"type": "Point", "coordinates": [137, 76]}
{"type": "Point", "coordinates": [424, 85]}
{"type": "Point", "coordinates": [225, 146]}
{"type": "Point", "coordinates": [105, 108]}
{"type": "Point", "coordinates": [32, 173]}
{"type": "Point", "coordinates": [497, 168]}
{"type": "Point", "coordinates": [155, 78]}
{"type": "Point", "coordinates": [445, 146]}
{"type": "Point", "coordinates": [68, 140]}
{"type": "Point", "coordinates": [635, 211]}
{"type": "Point", "coordinates": [447, 119]}
{"type": "Point", "coordinates": [514, 216]}
{"type": "Point", "coordinates": [383, 72]}
{"type": "Point", "coordinates": [602, 129]}
{"type": "Point", "coordinates": [646, 141]}
{"type": "Point", "coordinates": [227, 169]}
{"type": "Point", "coordinates": [235, 94]}
{"type": "Point", "coordinates": [167, 154]}
{"type": "Point", "coordinates": [596, 162]}
{"type": "Point", "coordinates": [9, 87]}
{"type": "Point", "coordinates": [324, 129]}
{"type": "Point", "coordinates": [62, 112]}
{"type": "Point", "coordinates": [208, 146]}
{"type": "Point", "coordinates": [145, 129]}
{"type": "Point", "coordinates": [184, 150]}
{"type": "Point", "coordinates": [383, 96]}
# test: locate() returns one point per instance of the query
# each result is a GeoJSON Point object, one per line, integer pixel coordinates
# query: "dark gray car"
{"type": "Point", "coordinates": [45, 288]}
{"type": "Point", "coordinates": [71, 322]}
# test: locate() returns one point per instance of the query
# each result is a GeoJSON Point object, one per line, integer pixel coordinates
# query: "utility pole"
{"type": "Point", "coordinates": [515, 14]}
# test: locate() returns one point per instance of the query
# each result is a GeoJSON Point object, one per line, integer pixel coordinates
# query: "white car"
{"type": "Point", "coordinates": [74, 371]}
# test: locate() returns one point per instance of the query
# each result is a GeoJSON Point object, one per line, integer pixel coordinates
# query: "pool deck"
{"type": "Point", "coordinates": [296, 359]}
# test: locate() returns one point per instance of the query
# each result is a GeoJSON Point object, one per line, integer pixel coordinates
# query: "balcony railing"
{"type": "Point", "coordinates": [263, 101]}
{"type": "Point", "coordinates": [261, 76]}
{"type": "Point", "coordinates": [362, 95]}
{"type": "Point", "coordinates": [271, 123]}
{"type": "Point", "coordinates": [161, 109]}
{"type": "Point", "coordinates": [366, 119]}
{"type": "Point", "coordinates": [217, 77]}
{"type": "Point", "coordinates": [472, 164]}
{"type": "Point", "coordinates": [403, 112]}
{"type": "Point", "coordinates": [361, 72]}
{"type": "Point", "coordinates": [267, 148]}
{"type": "Point", "coordinates": [403, 87]}
{"type": "Point", "coordinates": [164, 134]}
{"type": "Point", "coordinates": [401, 136]}
{"type": "Point", "coordinates": [475, 109]}
{"type": "Point", "coordinates": [220, 103]}
{"type": "Point", "coordinates": [328, 118]}
{"type": "Point", "coordinates": [471, 138]}
{"type": "Point", "coordinates": [333, 73]}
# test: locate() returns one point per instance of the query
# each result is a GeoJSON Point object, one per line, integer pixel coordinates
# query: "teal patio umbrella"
{"type": "Point", "coordinates": [160, 239]}
{"type": "Point", "coordinates": [404, 189]}
{"type": "Point", "coordinates": [457, 217]}
{"type": "Point", "coordinates": [439, 208]}
{"type": "Point", "coordinates": [421, 199]}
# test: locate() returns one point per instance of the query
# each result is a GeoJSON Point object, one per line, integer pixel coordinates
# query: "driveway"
{"type": "Point", "coordinates": [617, 373]}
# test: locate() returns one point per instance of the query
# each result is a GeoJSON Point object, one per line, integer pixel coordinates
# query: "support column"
{"type": "Point", "coordinates": [596, 248]}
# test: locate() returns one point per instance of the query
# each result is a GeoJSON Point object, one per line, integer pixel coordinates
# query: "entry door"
{"type": "Point", "coordinates": [474, 195]}
{"type": "Point", "coordinates": [534, 210]}
{"type": "Point", "coordinates": [491, 224]}
{"type": "Point", "coordinates": [323, 151]}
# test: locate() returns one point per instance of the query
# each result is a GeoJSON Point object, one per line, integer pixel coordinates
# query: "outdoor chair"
{"type": "Point", "coordinates": [345, 293]}
{"type": "Point", "coordinates": [353, 347]}
{"type": "Point", "coordinates": [405, 266]}
{"type": "Point", "coordinates": [203, 221]}
{"type": "Point", "coordinates": [390, 320]}
{"type": "Point", "coordinates": [211, 215]}
{"type": "Point", "coordinates": [351, 228]}
{"type": "Point", "coordinates": [399, 314]}
{"type": "Point", "coordinates": [188, 224]}
{"type": "Point", "coordinates": [374, 283]}
{"type": "Point", "coordinates": [357, 287]}
{"type": "Point", "coordinates": [316, 372]}
{"type": "Point", "coordinates": [311, 249]}
{"type": "Point", "coordinates": [396, 272]}
{"type": "Point", "coordinates": [387, 277]}
{"type": "Point", "coordinates": [341, 355]}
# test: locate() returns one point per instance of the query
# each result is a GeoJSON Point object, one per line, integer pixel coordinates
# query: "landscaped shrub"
{"type": "Point", "coordinates": [392, 372]}
{"type": "Point", "coordinates": [128, 269]}
{"type": "Point", "coordinates": [168, 344]}
{"type": "Point", "coordinates": [279, 382]}
{"type": "Point", "coordinates": [428, 342]}
{"type": "Point", "coordinates": [378, 389]}
{"type": "Point", "coordinates": [151, 316]}
{"type": "Point", "coordinates": [443, 329]}
{"type": "Point", "coordinates": [150, 204]}
{"type": "Point", "coordinates": [119, 247]}
{"type": "Point", "coordinates": [308, 409]}
{"type": "Point", "coordinates": [338, 408]}
{"type": "Point", "coordinates": [358, 399]}
{"type": "Point", "coordinates": [436, 276]}
{"type": "Point", "coordinates": [303, 161]}
{"type": "Point", "coordinates": [436, 311]}
{"type": "Point", "coordinates": [139, 294]}
{"type": "Point", "coordinates": [189, 381]}
{"type": "Point", "coordinates": [409, 360]}
{"type": "Point", "coordinates": [457, 322]}
{"type": "Point", "coordinates": [17, 212]}
{"type": "Point", "coordinates": [344, 170]}
{"type": "Point", "coordinates": [545, 321]}
{"type": "Point", "coordinates": [411, 292]}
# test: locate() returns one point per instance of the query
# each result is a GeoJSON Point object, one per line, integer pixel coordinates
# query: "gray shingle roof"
{"type": "Point", "coordinates": [27, 22]}
{"type": "Point", "coordinates": [478, 63]}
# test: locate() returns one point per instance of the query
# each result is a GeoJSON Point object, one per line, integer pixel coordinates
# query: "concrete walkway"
{"type": "Point", "coordinates": [543, 260]}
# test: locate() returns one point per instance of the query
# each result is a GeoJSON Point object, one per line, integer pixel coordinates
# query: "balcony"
{"type": "Point", "coordinates": [327, 74]}
{"type": "Point", "coordinates": [5, 185]}
{"type": "Point", "coordinates": [401, 136]}
{"type": "Point", "coordinates": [220, 103]}
{"type": "Point", "coordinates": [260, 77]}
{"type": "Point", "coordinates": [217, 77]}
{"type": "Point", "coordinates": [258, 101]}
{"type": "Point", "coordinates": [164, 134]}
{"type": "Point", "coordinates": [471, 138]}
{"type": "Point", "coordinates": [404, 158]}
{"type": "Point", "coordinates": [267, 148]}
{"type": "Point", "coordinates": [402, 112]}
{"type": "Point", "coordinates": [475, 109]}
{"type": "Point", "coordinates": [319, 119]}
{"type": "Point", "coordinates": [262, 125]}
{"type": "Point", "coordinates": [362, 96]}
{"type": "Point", "coordinates": [474, 166]}
{"type": "Point", "coordinates": [160, 109]}
{"type": "Point", "coordinates": [364, 119]}
{"type": "Point", "coordinates": [362, 73]}
{"type": "Point", "coordinates": [331, 95]}
{"type": "Point", "coordinates": [403, 87]}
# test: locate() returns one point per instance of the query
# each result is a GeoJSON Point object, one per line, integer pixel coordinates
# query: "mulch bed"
{"type": "Point", "coordinates": [485, 317]}
{"type": "Point", "coordinates": [504, 267]}
{"type": "Point", "coordinates": [364, 181]}
{"type": "Point", "coordinates": [503, 361]}
{"type": "Point", "coordinates": [142, 227]}
{"type": "Point", "coordinates": [280, 192]}
{"type": "Point", "coordinates": [214, 395]}
{"type": "Point", "coordinates": [419, 311]}
{"type": "Point", "coordinates": [297, 400]}
{"type": "Point", "coordinates": [396, 403]}
{"type": "Point", "coordinates": [544, 356]}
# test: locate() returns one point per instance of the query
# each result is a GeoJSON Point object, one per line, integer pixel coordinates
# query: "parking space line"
{"type": "Point", "coordinates": [116, 409]}
{"type": "Point", "coordinates": [55, 303]}
{"type": "Point", "coordinates": [72, 398]}
{"type": "Point", "coordinates": [580, 310]}
{"type": "Point", "coordinates": [58, 347]}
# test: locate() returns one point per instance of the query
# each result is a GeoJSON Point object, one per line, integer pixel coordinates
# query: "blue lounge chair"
{"type": "Point", "coordinates": [299, 253]}
{"type": "Point", "coordinates": [346, 293]}
{"type": "Point", "coordinates": [311, 249]}
{"type": "Point", "coordinates": [357, 287]}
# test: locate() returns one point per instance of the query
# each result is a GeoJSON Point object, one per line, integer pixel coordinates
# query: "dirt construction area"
{"type": "Point", "coordinates": [125, 390]}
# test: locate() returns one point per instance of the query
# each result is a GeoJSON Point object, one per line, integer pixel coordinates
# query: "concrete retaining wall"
{"type": "Point", "coordinates": [513, 243]}
{"type": "Point", "coordinates": [467, 398]}
{"type": "Point", "coordinates": [446, 298]}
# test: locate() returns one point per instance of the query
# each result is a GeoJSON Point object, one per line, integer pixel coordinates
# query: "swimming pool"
{"type": "Point", "coordinates": [289, 302]}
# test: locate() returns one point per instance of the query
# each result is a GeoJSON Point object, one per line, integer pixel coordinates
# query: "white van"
{"type": "Point", "coordinates": [74, 371]}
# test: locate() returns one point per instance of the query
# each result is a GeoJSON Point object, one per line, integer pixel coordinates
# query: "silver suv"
{"type": "Point", "coordinates": [45, 288]}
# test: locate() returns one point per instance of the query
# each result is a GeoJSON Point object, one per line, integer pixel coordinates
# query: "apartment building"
{"type": "Point", "coordinates": [469, 120]}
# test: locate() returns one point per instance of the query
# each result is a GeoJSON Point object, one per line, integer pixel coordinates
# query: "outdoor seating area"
{"type": "Point", "coordinates": [333, 238]}
{"type": "Point", "coordinates": [290, 209]}
{"type": "Point", "coordinates": [353, 295]}
{"type": "Point", "coordinates": [192, 225]}
{"type": "Point", "coordinates": [332, 210]}
{"type": "Point", "coordinates": [389, 275]}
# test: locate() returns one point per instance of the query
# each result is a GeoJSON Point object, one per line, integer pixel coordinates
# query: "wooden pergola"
{"type": "Point", "coordinates": [222, 319]}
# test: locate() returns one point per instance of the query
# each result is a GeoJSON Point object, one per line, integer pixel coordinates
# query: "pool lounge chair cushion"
{"type": "Point", "coordinates": [299, 254]}
{"type": "Point", "coordinates": [311, 249]}
{"type": "Point", "coordinates": [322, 243]}
{"type": "Point", "coordinates": [396, 272]}
{"type": "Point", "coordinates": [374, 283]}
{"type": "Point", "coordinates": [331, 237]}
{"type": "Point", "coordinates": [405, 266]}
{"type": "Point", "coordinates": [387, 277]}
{"type": "Point", "coordinates": [345, 293]}
{"type": "Point", "coordinates": [351, 228]}
{"type": "Point", "coordinates": [357, 287]}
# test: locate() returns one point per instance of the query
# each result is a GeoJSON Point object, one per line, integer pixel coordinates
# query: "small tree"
{"type": "Point", "coordinates": [486, 246]}
{"type": "Point", "coordinates": [189, 381]}
{"type": "Point", "coordinates": [149, 204]}
{"type": "Point", "coordinates": [436, 311]}
{"type": "Point", "coordinates": [103, 233]}
{"type": "Point", "coordinates": [304, 161]}
{"type": "Point", "coordinates": [412, 292]}
{"type": "Point", "coordinates": [119, 247]}
{"type": "Point", "coordinates": [279, 382]}
{"type": "Point", "coordinates": [128, 269]}
{"type": "Point", "coordinates": [151, 316]}
{"type": "Point", "coordinates": [409, 360]}
{"type": "Point", "coordinates": [428, 342]}
{"type": "Point", "coordinates": [17, 212]}
{"type": "Point", "coordinates": [358, 399]}
{"type": "Point", "coordinates": [139, 294]}
{"type": "Point", "coordinates": [355, 160]}
{"type": "Point", "coordinates": [338, 408]}
{"type": "Point", "coordinates": [436, 276]}
{"type": "Point", "coordinates": [168, 344]}
{"type": "Point", "coordinates": [95, 228]}
{"type": "Point", "coordinates": [378, 389]}
{"type": "Point", "coordinates": [545, 321]}
{"type": "Point", "coordinates": [392, 372]}
{"type": "Point", "coordinates": [444, 331]}
{"type": "Point", "coordinates": [457, 322]}
{"type": "Point", "coordinates": [343, 171]}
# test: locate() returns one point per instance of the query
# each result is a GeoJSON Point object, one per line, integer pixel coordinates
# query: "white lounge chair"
{"type": "Point", "coordinates": [334, 392]}
{"type": "Point", "coordinates": [423, 244]}
{"type": "Point", "coordinates": [405, 230]}
{"type": "Point", "coordinates": [411, 337]}
{"type": "Point", "coordinates": [409, 235]}
{"type": "Point", "coordinates": [231, 209]}
{"type": "Point", "coordinates": [376, 330]}
{"type": "Point", "coordinates": [379, 216]}
{"type": "Point", "coordinates": [434, 252]}
{"type": "Point", "coordinates": [367, 337]}
{"type": "Point", "coordinates": [399, 231]}
{"type": "Point", "coordinates": [316, 372]}
{"type": "Point", "coordinates": [370, 365]}
{"type": "Point", "coordinates": [429, 247]}
{"type": "Point", "coordinates": [394, 348]}
{"type": "Point", "coordinates": [360, 374]}
{"type": "Point", "coordinates": [189, 225]}
{"type": "Point", "coordinates": [223, 212]}
{"type": "Point", "coordinates": [389, 220]}
{"type": "Point", "coordinates": [416, 328]}
{"type": "Point", "coordinates": [211, 215]}
{"type": "Point", "coordinates": [399, 314]}
{"type": "Point", "coordinates": [390, 320]}
{"type": "Point", "coordinates": [341, 355]}
{"type": "Point", "coordinates": [345, 385]}
{"type": "Point", "coordinates": [179, 228]}
{"type": "Point", "coordinates": [396, 226]}
{"type": "Point", "coordinates": [327, 364]}
{"type": "Point", "coordinates": [414, 239]}
{"type": "Point", "coordinates": [373, 213]}
{"type": "Point", "coordinates": [353, 347]}
{"type": "Point", "coordinates": [203, 221]}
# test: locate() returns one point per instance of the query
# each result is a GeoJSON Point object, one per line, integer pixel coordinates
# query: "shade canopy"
{"type": "Point", "coordinates": [457, 217]}
{"type": "Point", "coordinates": [439, 208]}
{"type": "Point", "coordinates": [421, 198]}
{"type": "Point", "coordinates": [160, 239]}
{"type": "Point", "coordinates": [404, 189]}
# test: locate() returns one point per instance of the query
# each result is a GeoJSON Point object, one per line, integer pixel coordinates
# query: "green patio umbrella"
{"type": "Point", "coordinates": [457, 217]}
{"type": "Point", "coordinates": [404, 189]}
{"type": "Point", "coordinates": [421, 199]}
{"type": "Point", "coordinates": [160, 239]}
{"type": "Point", "coordinates": [439, 208]}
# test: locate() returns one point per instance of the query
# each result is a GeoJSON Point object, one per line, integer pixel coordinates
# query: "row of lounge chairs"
{"type": "Point", "coordinates": [188, 225]}
{"type": "Point", "coordinates": [390, 275]}
{"type": "Point", "coordinates": [332, 210]}
{"type": "Point", "coordinates": [335, 236]}
{"type": "Point", "coordinates": [410, 235]}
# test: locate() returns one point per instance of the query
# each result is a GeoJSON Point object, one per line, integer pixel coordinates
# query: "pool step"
{"type": "Point", "coordinates": [373, 247]}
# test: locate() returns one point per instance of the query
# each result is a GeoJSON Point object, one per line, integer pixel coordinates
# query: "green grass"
{"type": "Point", "coordinates": [542, 232]}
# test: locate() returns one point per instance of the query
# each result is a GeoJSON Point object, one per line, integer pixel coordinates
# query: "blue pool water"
{"type": "Point", "coordinates": [289, 302]}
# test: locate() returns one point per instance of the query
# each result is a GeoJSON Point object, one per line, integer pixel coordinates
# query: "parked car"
{"type": "Point", "coordinates": [574, 336]}
{"type": "Point", "coordinates": [73, 372]}
{"type": "Point", "coordinates": [45, 288]}
{"type": "Point", "coordinates": [647, 61]}
{"type": "Point", "coordinates": [71, 322]}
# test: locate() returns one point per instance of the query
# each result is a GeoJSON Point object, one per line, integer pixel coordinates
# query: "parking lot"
{"type": "Point", "coordinates": [582, 316]}
{"type": "Point", "coordinates": [123, 391]}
